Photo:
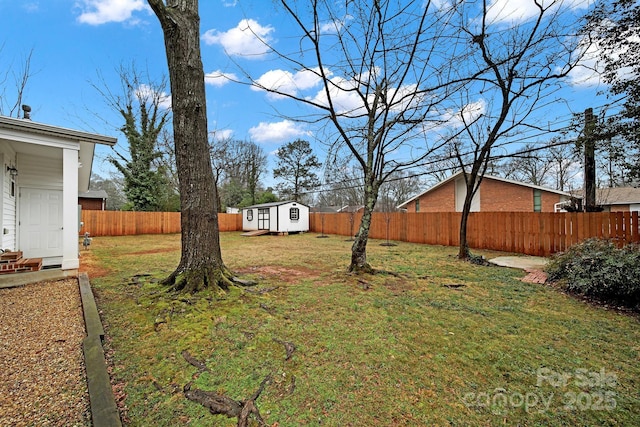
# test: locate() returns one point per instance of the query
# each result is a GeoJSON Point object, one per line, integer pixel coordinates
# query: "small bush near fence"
{"type": "Point", "coordinates": [598, 268]}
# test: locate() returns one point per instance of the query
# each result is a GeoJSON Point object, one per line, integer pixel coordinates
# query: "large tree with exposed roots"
{"type": "Point", "coordinates": [201, 265]}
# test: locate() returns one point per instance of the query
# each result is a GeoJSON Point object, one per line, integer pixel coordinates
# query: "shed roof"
{"type": "Point", "coordinates": [271, 204]}
{"type": "Point", "coordinates": [94, 194]}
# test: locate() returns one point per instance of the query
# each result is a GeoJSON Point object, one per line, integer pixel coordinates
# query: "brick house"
{"type": "Point", "coordinates": [619, 199]}
{"type": "Point", "coordinates": [93, 200]}
{"type": "Point", "coordinates": [494, 195]}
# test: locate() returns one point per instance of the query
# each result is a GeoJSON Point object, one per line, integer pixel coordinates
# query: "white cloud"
{"type": "Point", "coordinates": [467, 115]}
{"type": "Point", "coordinates": [248, 39]}
{"type": "Point", "coordinates": [31, 7]}
{"type": "Point", "coordinates": [587, 72]}
{"type": "Point", "coordinates": [277, 132]}
{"type": "Point", "coordinates": [219, 78]}
{"type": "Point", "coordinates": [514, 11]}
{"type": "Point", "coordinates": [221, 134]}
{"type": "Point", "coordinates": [147, 93]}
{"type": "Point", "coordinates": [97, 12]}
{"type": "Point", "coordinates": [229, 3]}
{"type": "Point", "coordinates": [590, 68]}
{"type": "Point", "coordinates": [334, 26]}
{"type": "Point", "coordinates": [287, 82]}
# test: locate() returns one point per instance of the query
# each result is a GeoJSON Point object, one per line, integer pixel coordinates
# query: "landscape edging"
{"type": "Point", "coordinates": [104, 411]}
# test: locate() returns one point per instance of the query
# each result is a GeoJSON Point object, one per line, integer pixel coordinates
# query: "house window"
{"type": "Point", "coordinates": [417, 205]}
{"type": "Point", "coordinates": [294, 214]}
{"type": "Point", "coordinates": [249, 214]}
{"type": "Point", "coordinates": [537, 200]}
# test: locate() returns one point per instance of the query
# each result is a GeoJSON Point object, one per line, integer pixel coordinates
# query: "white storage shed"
{"type": "Point", "coordinates": [276, 217]}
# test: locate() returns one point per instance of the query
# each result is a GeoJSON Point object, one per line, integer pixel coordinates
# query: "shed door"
{"type": "Point", "coordinates": [263, 219]}
{"type": "Point", "coordinates": [40, 222]}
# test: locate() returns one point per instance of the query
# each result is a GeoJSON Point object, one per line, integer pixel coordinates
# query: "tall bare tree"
{"type": "Point", "coordinates": [13, 83]}
{"type": "Point", "coordinates": [238, 168]}
{"type": "Point", "coordinates": [141, 102]}
{"type": "Point", "coordinates": [533, 166]}
{"type": "Point", "coordinates": [381, 70]}
{"type": "Point", "coordinates": [201, 265]}
{"type": "Point", "coordinates": [517, 61]}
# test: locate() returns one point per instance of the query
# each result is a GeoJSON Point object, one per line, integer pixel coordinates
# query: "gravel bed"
{"type": "Point", "coordinates": [42, 374]}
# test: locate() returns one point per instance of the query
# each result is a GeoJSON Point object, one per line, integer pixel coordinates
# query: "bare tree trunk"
{"type": "Point", "coordinates": [463, 249]}
{"type": "Point", "coordinates": [201, 264]}
{"type": "Point", "coordinates": [359, 262]}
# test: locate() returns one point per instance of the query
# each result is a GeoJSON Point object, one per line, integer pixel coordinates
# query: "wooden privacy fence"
{"type": "Point", "coordinates": [531, 233]}
{"type": "Point", "coordinates": [124, 223]}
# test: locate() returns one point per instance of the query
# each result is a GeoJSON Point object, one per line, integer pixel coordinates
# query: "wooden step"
{"type": "Point", "coordinates": [10, 256]}
{"type": "Point", "coordinates": [19, 265]}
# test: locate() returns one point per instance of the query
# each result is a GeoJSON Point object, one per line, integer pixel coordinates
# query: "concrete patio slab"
{"type": "Point", "coordinates": [522, 262]}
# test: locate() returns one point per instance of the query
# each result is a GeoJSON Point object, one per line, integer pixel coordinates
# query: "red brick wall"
{"type": "Point", "coordinates": [619, 208]}
{"type": "Point", "coordinates": [90, 204]}
{"type": "Point", "coordinates": [548, 201]}
{"type": "Point", "coordinates": [441, 199]}
{"type": "Point", "coordinates": [498, 196]}
{"type": "Point", "coordinates": [495, 196]}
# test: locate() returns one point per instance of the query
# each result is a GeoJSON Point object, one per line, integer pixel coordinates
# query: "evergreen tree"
{"type": "Point", "coordinates": [296, 165]}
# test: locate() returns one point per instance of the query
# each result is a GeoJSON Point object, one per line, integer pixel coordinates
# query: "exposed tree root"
{"type": "Point", "coordinates": [219, 404]}
{"type": "Point", "coordinates": [202, 367]}
{"type": "Point", "coordinates": [261, 291]}
{"type": "Point", "coordinates": [361, 269]}
{"type": "Point", "coordinates": [289, 347]}
{"type": "Point", "coordinates": [192, 280]}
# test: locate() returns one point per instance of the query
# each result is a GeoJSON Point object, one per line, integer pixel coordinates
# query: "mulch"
{"type": "Point", "coordinates": [42, 374]}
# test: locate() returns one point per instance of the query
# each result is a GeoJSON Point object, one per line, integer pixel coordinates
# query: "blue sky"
{"type": "Point", "coordinates": [73, 40]}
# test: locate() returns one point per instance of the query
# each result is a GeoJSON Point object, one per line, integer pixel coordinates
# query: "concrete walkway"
{"type": "Point", "coordinates": [20, 279]}
{"type": "Point", "coordinates": [533, 265]}
{"type": "Point", "coordinates": [522, 262]}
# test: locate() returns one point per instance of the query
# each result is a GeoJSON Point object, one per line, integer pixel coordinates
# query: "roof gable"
{"type": "Point", "coordinates": [496, 178]}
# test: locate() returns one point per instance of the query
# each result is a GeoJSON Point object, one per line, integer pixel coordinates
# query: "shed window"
{"type": "Point", "coordinates": [294, 214]}
{"type": "Point", "coordinates": [249, 214]}
{"type": "Point", "coordinates": [537, 200]}
{"type": "Point", "coordinates": [417, 205]}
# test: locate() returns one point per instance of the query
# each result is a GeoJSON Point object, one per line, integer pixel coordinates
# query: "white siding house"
{"type": "Point", "coordinates": [43, 168]}
{"type": "Point", "coordinates": [276, 217]}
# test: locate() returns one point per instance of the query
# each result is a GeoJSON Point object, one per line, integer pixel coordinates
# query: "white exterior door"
{"type": "Point", "coordinates": [263, 219]}
{"type": "Point", "coordinates": [40, 223]}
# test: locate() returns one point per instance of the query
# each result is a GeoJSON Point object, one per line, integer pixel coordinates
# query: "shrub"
{"type": "Point", "coordinates": [598, 268]}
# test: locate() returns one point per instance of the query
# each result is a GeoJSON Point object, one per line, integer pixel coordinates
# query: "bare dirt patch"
{"type": "Point", "coordinates": [283, 274]}
{"type": "Point", "coordinates": [91, 266]}
{"type": "Point", "coordinates": [153, 251]}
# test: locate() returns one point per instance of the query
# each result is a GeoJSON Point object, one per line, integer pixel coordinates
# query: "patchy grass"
{"type": "Point", "coordinates": [430, 341]}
